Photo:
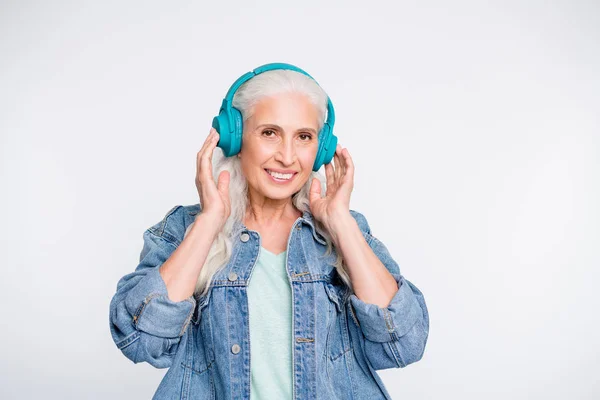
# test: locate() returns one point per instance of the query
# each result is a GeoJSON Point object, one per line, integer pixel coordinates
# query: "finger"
{"type": "Point", "coordinates": [223, 183]}
{"type": "Point", "coordinates": [204, 146]}
{"type": "Point", "coordinates": [314, 192]}
{"type": "Point", "coordinates": [330, 178]}
{"type": "Point", "coordinates": [338, 168]}
{"type": "Point", "coordinates": [338, 156]}
{"type": "Point", "coordinates": [329, 174]}
{"type": "Point", "coordinates": [208, 140]}
{"type": "Point", "coordinates": [344, 161]}
{"type": "Point", "coordinates": [349, 174]}
{"type": "Point", "coordinates": [206, 159]}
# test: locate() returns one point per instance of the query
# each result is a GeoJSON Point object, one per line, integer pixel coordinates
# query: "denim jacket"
{"type": "Point", "coordinates": [339, 341]}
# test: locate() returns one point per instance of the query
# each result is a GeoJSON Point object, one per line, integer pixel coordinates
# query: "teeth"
{"type": "Point", "coordinates": [280, 176]}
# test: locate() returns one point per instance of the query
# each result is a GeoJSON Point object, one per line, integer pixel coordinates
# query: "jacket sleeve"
{"type": "Point", "coordinates": [395, 336]}
{"type": "Point", "coordinates": [144, 323]}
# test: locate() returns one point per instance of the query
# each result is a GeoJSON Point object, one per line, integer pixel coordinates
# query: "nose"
{"type": "Point", "coordinates": [286, 152]}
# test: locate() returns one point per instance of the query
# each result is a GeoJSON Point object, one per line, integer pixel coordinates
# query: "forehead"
{"type": "Point", "coordinates": [285, 108]}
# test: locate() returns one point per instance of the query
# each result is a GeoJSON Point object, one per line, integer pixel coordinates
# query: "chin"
{"type": "Point", "coordinates": [279, 194]}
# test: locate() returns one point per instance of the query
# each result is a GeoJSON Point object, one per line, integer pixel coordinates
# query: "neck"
{"type": "Point", "coordinates": [271, 214]}
{"type": "Point", "coordinates": [265, 212]}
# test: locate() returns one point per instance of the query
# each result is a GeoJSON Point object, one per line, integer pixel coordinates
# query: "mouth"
{"type": "Point", "coordinates": [283, 178]}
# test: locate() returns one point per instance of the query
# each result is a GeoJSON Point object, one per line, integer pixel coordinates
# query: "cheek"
{"type": "Point", "coordinates": [307, 156]}
{"type": "Point", "coordinates": [252, 153]}
{"type": "Point", "coordinates": [257, 151]}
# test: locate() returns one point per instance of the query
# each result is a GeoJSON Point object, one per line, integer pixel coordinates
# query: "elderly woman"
{"type": "Point", "coordinates": [270, 287]}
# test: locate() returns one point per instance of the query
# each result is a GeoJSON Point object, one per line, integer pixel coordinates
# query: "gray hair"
{"type": "Point", "coordinates": [266, 84]}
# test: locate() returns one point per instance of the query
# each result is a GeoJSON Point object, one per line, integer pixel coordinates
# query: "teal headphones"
{"type": "Point", "coordinates": [229, 121]}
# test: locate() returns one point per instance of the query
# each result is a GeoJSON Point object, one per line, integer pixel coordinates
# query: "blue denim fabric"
{"type": "Point", "coordinates": [339, 341]}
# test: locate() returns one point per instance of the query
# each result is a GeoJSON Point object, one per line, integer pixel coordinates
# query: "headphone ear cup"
{"type": "Point", "coordinates": [221, 125]}
{"type": "Point", "coordinates": [327, 145]}
{"type": "Point", "coordinates": [230, 137]}
{"type": "Point", "coordinates": [236, 131]}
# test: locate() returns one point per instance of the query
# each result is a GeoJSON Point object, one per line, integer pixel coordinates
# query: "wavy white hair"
{"type": "Point", "coordinates": [268, 83]}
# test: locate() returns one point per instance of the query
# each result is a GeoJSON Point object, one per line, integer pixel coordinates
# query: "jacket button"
{"type": "Point", "coordinates": [244, 237]}
{"type": "Point", "coordinates": [232, 276]}
{"type": "Point", "coordinates": [235, 348]}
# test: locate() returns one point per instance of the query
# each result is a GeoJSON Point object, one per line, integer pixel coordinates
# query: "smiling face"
{"type": "Point", "coordinates": [281, 136]}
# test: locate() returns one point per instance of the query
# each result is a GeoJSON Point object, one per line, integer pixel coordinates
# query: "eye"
{"type": "Point", "coordinates": [307, 135]}
{"type": "Point", "coordinates": [268, 130]}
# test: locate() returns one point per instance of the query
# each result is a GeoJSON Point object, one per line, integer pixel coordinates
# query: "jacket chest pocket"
{"type": "Point", "coordinates": [338, 337]}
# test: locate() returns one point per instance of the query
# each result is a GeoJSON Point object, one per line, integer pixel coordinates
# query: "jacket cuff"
{"type": "Point", "coordinates": [392, 322]}
{"type": "Point", "coordinates": [152, 310]}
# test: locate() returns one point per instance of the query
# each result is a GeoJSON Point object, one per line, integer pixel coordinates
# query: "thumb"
{"type": "Point", "coordinates": [223, 183]}
{"type": "Point", "coordinates": [315, 190]}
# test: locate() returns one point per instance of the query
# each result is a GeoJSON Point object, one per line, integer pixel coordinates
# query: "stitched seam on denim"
{"type": "Point", "coordinates": [345, 328]}
{"type": "Point", "coordinates": [395, 353]}
{"type": "Point", "coordinates": [136, 318]}
{"type": "Point", "coordinates": [347, 341]}
{"type": "Point", "coordinates": [165, 238]}
{"type": "Point", "coordinates": [195, 370]}
{"type": "Point", "coordinates": [390, 324]}
{"type": "Point", "coordinates": [330, 322]}
{"type": "Point", "coordinates": [163, 222]}
{"type": "Point", "coordinates": [333, 297]}
{"type": "Point", "coordinates": [188, 356]}
{"type": "Point", "coordinates": [171, 239]}
{"type": "Point", "coordinates": [128, 340]}
{"type": "Point", "coordinates": [350, 364]}
{"type": "Point", "coordinates": [140, 310]}
{"type": "Point", "coordinates": [189, 317]}
{"type": "Point", "coordinates": [295, 275]}
{"type": "Point", "coordinates": [333, 358]}
{"type": "Point", "coordinates": [388, 320]}
{"type": "Point", "coordinates": [309, 278]}
{"type": "Point", "coordinates": [212, 384]}
{"type": "Point", "coordinates": [354, 315]}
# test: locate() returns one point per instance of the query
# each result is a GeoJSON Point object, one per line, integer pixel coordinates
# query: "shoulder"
{"type": "Point", "coordinates": [365, 228]}
{"type": "Point", "coordinates": [380, 249]}
{"type": "Point", "coordinates": [361, 220]}
{"type": "Point", "coordinates": [174, 222]}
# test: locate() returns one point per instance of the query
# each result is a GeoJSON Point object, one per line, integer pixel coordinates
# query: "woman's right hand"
{"type": "Point", "coordinates": [214, 198]}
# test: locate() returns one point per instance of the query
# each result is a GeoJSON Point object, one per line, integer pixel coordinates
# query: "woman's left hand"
{"type": "Point", "coordinates": [340, 182]}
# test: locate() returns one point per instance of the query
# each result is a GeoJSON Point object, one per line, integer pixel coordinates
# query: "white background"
{"type": "Point", "coordinates": [475, 133]}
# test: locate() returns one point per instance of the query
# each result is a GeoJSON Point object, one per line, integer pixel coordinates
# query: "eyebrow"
{"type": "Point", "coordinates": [281, 129]}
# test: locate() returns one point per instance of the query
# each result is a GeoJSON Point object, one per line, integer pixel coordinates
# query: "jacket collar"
{"type": "Point", "coordinates": [306, 218]}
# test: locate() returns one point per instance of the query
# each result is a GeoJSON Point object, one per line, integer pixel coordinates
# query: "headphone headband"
{"type": "Point", "coordinates": [269, 67]}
